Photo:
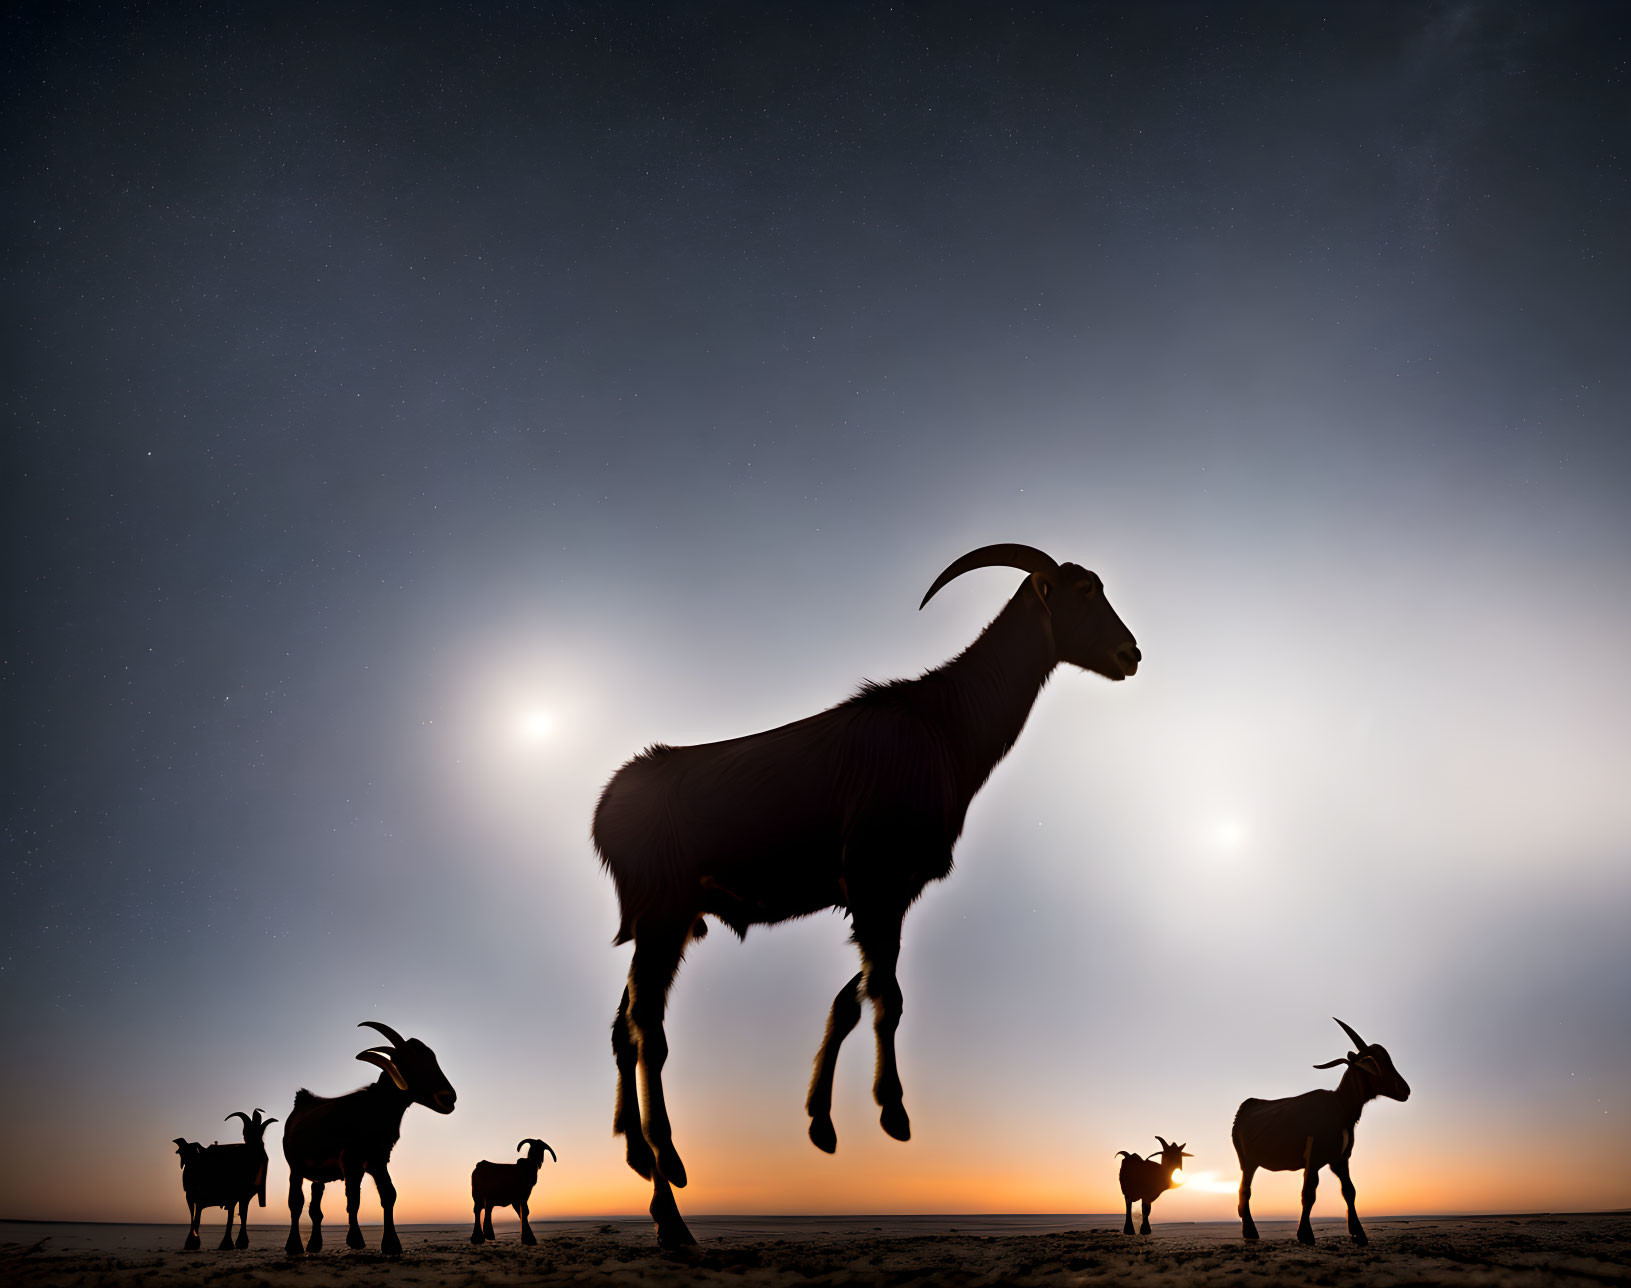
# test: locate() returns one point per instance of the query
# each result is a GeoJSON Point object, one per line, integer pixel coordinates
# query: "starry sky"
{"type": "Point", "coordinates": [411, 413]}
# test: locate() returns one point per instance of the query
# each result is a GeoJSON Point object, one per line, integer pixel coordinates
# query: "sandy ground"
{"type": "Point", "coordinates": [884, 1251]}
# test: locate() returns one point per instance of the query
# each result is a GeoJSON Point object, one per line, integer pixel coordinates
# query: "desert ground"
{"type": "Point", "coordinates": [1591, 1249]}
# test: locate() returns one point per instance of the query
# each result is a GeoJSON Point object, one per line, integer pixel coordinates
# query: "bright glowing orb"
{"type": "Point", "coordinates": [534, 725]}
{"type": "Point", "coordinates": [1177, 1176]}
{"type": "Point", "coordinates": [1228, 835]}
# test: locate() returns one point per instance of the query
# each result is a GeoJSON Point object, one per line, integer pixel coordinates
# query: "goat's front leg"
{"type": "Point", "coordinates": [297, 1200]}
{"type": "Point", "coordinates": [1311, 1182]}
{"type": "Point", "coordinates": [195, 1215]}
{"type": "Point", "coordinates": [1356, 1232]}
{"type": "Point", "coordinates": [1248, 1227]}
{"type": "Point", "coordinates": [389, 1244]}
{"type": "Point", "coordinates": [487, 1225]}
{"type": "Point", "coordinates": [626, 1113]}
{"type": "Point", "coordinates": [243, 1224]}
{"type": "Point", "coordinates": [841, 1020]}
{"type": "Point", "coordinates": [1127, 1225]}
{"type": "Point", "coordinates": [315, 1243]}
{"type": "Point", "coordinates": [527, 1236]}
{"type": "Point", "coordinates": [226, 1235]}
{"type": "Point", "coordinates": [475, 1229]}
{"type": "Point", "coordinates": [1144, 1228]}
{"type": "Point", "coordinates": [353, 1201]}
{"type": "Point", "coordinates": [657, 953]}
{"type": "Point", "coordinates": [878, 934]}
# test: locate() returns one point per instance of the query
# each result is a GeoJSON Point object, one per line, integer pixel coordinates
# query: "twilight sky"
{"type": "Point", "coordinates": [377, 387]}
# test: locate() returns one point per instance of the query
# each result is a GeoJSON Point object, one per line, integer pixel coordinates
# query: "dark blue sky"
{"type": "Point", "coordinates": [373, 381]}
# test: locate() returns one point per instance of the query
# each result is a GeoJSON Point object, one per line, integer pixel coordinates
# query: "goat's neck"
{"type": "Point", "coordinates": [1354, 1092]}
{"type": "Point", "coordinates": [993, 683]}
{"type": "Point", "coordinates": [392, 1101]}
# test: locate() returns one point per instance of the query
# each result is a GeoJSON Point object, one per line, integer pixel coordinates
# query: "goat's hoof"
{"type": "Point", "coordinates": [1249, 1234]}
{"type": "Point", "coordinates": [1358, 1237]}
{"type": "Point", "coordinates": [1143, 1229]}
{"type": "Point", "coordinates": [353, 1238]}
{"type": "Point", "coordinates": [670, 1165]}
{"type": "Point", "coordinates": [192, 1243]}
{"type": "Point", "coordinates": [529, 1239]}
{"type": "Point", "coordinates": [823, 1135]}
{"type": "Point", "coordinates": [225, 1245]}
{"type": "Point", "coordinates": [895, 1122]}
{"type": "Point", "coordinates": [672, 1235]}
{"type": "Point", "coordinates": [243, 1243]}
{"type": "Point", "coordinates": [1128, 1228]}
{"type": "Point", "coordinates": [389, 1244]}
{"type": "Point", "coordinates": [314, 1244]}
{"type": "Point", "coordinates": [1305, 1237]}
{"type": "Point", "coordinates": [475, 1236]}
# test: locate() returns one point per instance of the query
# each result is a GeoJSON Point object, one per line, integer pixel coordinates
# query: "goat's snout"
{"type": "Point", "coordinates": [1127, 658]}
{"type": "Point", "coordinates": [443, 1101]}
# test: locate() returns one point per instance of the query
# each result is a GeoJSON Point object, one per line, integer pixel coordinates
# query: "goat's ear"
{"type": "Point", "coordinates": [1368, 1064]}
{"type": "Point", "coordinates": [386, 1063]}
{"type": "Point", "coordinates": [1042, 584]}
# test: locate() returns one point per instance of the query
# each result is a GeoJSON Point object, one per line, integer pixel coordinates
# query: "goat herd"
{"type": "Point", "coordinates": [856, 808]}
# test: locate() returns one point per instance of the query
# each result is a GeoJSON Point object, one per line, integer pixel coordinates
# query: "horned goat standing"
{"type": "Point", "coordinates": [1143, 1180]}
{"type": "Point", "coordinates": [224, 1176]}
{"type": "Point", "coordinates": [856, 808]}
{"type": "Point", "coordinates": [333, 1138]}
{"type": "Point", "coordinates": [1314, 1130]}
{"type": "Point", "coordinates": [506, 1185]}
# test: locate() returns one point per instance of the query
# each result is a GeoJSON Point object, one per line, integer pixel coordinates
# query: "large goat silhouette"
{"type": "Point", "coordinates": [856, 808]}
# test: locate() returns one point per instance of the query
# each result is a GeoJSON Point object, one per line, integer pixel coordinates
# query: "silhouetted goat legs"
{"type": "Point", "coordinates": [389, 1244]}
{"type": "Point", "coordinates": [657, 953]}
{"type": "Point", "coordinates": [841, 1021]}
{"type": "Point", "coordinates": [226, 1235]}
{"type": "Point", "coordinates": [527, 1236]}
{"type": "Point", "coordinates": [879, 938]}
{"type": "Point", "coordinates": [1127, 1226]}
{"type": "Point", "coordinates": [297, 1200]}
{"type": "Point", "coordinates": [195, 1214]}
{"type": "Point", "coordinates": [1311, 1182]}
{"type": "Point", "coordinates": [487, 1224]}
{"type": "Point", "coordinates": [1355, 1231]}
{"type": "Point", "coordinates": [626, 1114]}
{"type": "Point", "coordinates": [353, 1200]}
{"type": "Point", "coordinates": [475, 1228]}
{"type": "Point", "coordinates": [1248, 1227]}
{"type": "Point", "coordinates": [1144, 1226]}
{"type": "Point", "coordinates": [243, 1225]}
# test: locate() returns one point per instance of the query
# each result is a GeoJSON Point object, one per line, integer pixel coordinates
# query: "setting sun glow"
{"type": "Point", "coordinates": [534, 725]}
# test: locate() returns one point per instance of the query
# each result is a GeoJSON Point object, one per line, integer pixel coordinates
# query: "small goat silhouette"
{"type": "Point", "coordinates": [1143, 1180]}
{"type": "Point", "coordinates": [1314, 1130]}
{"type": "Point", "coordinates": [345, 1137]}
{"type": "Point", "coordinates": [224, 1176]}
{"type": "Point", "coordinates": [506, 1185]}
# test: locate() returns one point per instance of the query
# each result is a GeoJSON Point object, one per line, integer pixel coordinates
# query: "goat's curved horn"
{"type": "Point", "coordinates": [1164, 1146]}
{"type": "Point", "coordinates": [1360, 1045]}
{"type": "Point", "coordinates": [239, 1113]}
{"type": "Point", "coordinates": [1331, 1064]}
{"type": "Point", "coordinates": [267, 1122]}
{"type": "Point", "coordinates": [384, 1062]}
{"type": "Point", "coordinates": [386, 1029]}
{"type": "Point", "coordinates": [1009, 555]}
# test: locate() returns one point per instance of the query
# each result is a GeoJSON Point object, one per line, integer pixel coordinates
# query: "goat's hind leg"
{"type": "Point", "coordinates": [841, 1021]}
{"type": "Point", "coordinates": [389, 1244]}
{"type": "Point", "coordinates": [226, 1235]}
{"type": "Point", "coordinates": [626, 1114]}
{"type": "Point", "coordinates": [297, 1200]}
{"type": "Point", "coordinates": [1144, 1227]}
{"type": "Point", "coordinates": [475, 1230]}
